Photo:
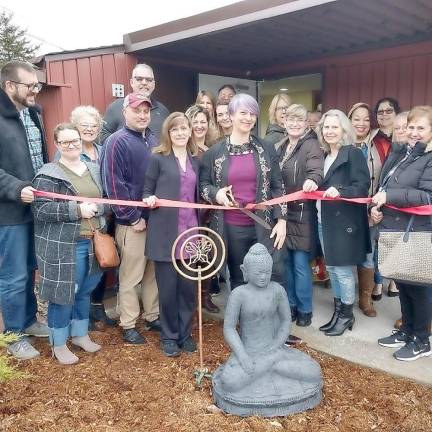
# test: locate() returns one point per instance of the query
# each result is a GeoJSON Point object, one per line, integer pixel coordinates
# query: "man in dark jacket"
{"type": "Point", "coordinates": [142, 82]}
{"type": "Point", "coordinates": [124, 161]}
{"type": "Point", "coordinates": [22, 153]}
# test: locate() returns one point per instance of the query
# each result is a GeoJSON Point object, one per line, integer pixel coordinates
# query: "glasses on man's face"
{"type": "Point", "coordinates": [35, 87]}
{"type": "Point", "coordinates": [179, 130]}
{"type": "Point", "coordinates": [385, 111]}
{"type": "Point", "coordinates": [140, 79]}
{"type": "Point", "coordinates": [282, 109]}
{"type": "Point", "coordinates": [88, 126]}
{"type": "Point", "coordinates": [66, 144]}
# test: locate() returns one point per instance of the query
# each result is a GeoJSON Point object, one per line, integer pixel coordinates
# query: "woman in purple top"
{"type": "Point", "coordinates": [242, 165]}
{"type": "Point", "coordinates": [172, 174]}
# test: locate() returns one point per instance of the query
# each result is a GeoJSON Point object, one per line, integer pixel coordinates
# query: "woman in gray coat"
{"type": "Point", "coordinates": [64, 250]}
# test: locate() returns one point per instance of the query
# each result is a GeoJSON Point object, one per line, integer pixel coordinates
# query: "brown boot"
{"type": "Point", "coordinates": [366, 286]}
{"type": "Point", "coordinates": [398, 324]}
{"type": "Point", "coordinates": [207, 302]}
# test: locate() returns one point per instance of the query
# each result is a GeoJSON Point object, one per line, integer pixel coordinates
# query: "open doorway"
{"type": "Point", "coordinates": [303, 89]}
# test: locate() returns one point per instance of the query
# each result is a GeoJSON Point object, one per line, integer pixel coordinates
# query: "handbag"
{"type": "Point", "coordinates": [406, 256]}
{"type": "Point", "coordinates": [104, 248]}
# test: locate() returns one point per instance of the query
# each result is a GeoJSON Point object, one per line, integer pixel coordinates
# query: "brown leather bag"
{"type": "Point", "coordinates": [105, 249]}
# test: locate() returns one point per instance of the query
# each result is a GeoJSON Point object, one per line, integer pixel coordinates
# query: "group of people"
{"type": "Point", "coordinates": [209, 154]}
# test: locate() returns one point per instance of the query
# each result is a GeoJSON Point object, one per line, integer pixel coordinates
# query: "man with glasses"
{"type": "Point", "coordinates": [142, 82]}
{"type": "Point", "coordinates": [124, 160]}
{"type": "Point", "coordinates": [22, 153]}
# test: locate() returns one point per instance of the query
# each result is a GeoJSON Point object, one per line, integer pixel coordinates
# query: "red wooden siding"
{"type": "Point", "coordinates": [403, 72]}
{"type": "Point", "coordinates": [81, 81]}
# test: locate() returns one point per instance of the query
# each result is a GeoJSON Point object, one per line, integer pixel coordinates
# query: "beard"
{"type": "Point", "coordinates": [26, 101]}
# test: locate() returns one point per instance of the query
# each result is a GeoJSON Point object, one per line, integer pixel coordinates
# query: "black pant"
{"type": "Point", "coordinates": [239, 239]}
{"type": "Point", "coordinates": [416, 307]}
{"type": "Point", "coordinates": [177, 302]}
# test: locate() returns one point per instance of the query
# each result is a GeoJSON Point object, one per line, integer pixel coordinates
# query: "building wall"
{"type": "Point", "coordinates": [81, 81]}
{"type": "Point", "coordinates": [403, 72]}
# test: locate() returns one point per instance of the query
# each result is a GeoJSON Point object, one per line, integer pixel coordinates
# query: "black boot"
{"type": "Point", "coordinates": [304, 319]}
{"type": "Point", "coordinates": [294, 313]}
{"type": "Point", "coordinates": [345, 320]}
{"type": "Point", "coordinates": [331, 323]}
{"type": "Point", "coordinates": [97, 313]}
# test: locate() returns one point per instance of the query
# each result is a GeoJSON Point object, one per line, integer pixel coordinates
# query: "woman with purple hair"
{"type": "Point", "coordinates": [237, 170]}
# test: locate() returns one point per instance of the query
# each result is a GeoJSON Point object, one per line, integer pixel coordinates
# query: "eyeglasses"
{"type": "Point", "coordinates": [386, 111]}
{"type": "Point", "coordinates": [179, 130]}
{"type": "Point", "coordinates": [282, 109]}
{"type": "Point", "coordinates": [66, 144]}
{"type": "Point", "coordinates": [295, 120]}
{"type": "Point", "coordinates": [88, 125]}
{"type": "Point", "coordinates": [148, 80]}
{"type": "Point", "coordinates": [36, 87]}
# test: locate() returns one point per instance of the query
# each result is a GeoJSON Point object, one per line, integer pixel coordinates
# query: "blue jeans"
{"type": "Point", "coordinates": [341, 277]}
{"type": "Point", "coordinates": [17, 266]}
{"type": "Point", "coordinates": [72, 319]}
{"type": "Point", "coordinates": [299, 280]}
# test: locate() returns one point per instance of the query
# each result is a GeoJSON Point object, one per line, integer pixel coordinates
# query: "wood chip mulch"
{"type": "Point", "coordinates": [136, 388]}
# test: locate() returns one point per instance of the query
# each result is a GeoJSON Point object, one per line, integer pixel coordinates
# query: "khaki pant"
{"type": "Point", "coordinates": [136, 277]}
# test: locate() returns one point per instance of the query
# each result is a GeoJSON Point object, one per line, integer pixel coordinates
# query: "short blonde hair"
{"type": "Point", "coordinates": [298, 111]}
{"type": "Point", "coordinates": [273, 104]}
{"type": "Point", "coordinates": [85, 110]}
{"type": "Point", "coordinates": [165, 144]}
{"type": "Point", "coordinates": [348, 132]}
{"type": "Point", "coordinates": [420, 111]}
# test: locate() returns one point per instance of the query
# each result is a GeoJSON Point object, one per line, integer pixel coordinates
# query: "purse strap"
{"type": "Point", "coordinates": [92, 227]}
{"type": "Point", "coordinates": [411, 222]}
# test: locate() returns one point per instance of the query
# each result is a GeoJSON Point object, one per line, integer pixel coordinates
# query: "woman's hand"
{"type": "Point", "coordinates": [150, 201]}
{"type": "Point", "coordinates": [309, 186]}
{"type": "Point", "coordinates": [279, 232]}
{"type": "Point", "coordinates": [331, 192]}
{"type": "Point", "coordinates": [27, 194]}
{"type": "Point", "coordinates": [376, 215]}
{"type": "Point", "coordinates": [222, 198]}
{"type": "Point", "coordinates": [379, 199]}
{"type": "Point", "coordinates": [88, 210]}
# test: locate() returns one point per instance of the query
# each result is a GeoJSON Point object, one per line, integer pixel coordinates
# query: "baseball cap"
{"type": "Point", "coordinates": [134, 100]}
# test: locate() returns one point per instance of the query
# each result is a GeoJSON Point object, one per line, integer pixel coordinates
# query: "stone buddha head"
{"type": "Point", "coordinates": [257, 266]}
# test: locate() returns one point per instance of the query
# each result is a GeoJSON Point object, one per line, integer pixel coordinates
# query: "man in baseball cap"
{"type": "Point", "coordinates": [124, 162]}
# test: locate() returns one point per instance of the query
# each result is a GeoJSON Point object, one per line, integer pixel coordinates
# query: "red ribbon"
{"type": "Point", "coordinates": [425, 210]}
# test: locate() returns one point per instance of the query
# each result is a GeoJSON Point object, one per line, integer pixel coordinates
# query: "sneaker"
{"type": "Point", "coordinates": [37, 329]}
{"type": "Point", "coordinates": [132, 336]}
{"type": "Point", "coordinates": [22, 350]}
{"type": "Point", "coordinates": [396, 340]}
{"type": "Point", "coordinates": [413, 350]}
{"type": "Point", "coordinates": [153, 325]}
{"type": "Point", "coordinates": [170, 348]}
{"type": "Point", "coordinates": [189, 345]}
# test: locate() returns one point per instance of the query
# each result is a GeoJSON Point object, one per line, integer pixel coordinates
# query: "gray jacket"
{"type": "Point", "coordinates": [114, 120]}
{"type": "Point", "coordinates": [57, 228]}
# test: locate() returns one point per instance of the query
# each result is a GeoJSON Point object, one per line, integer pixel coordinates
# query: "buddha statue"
{"type": "Point", "coordinates": [262, 376]}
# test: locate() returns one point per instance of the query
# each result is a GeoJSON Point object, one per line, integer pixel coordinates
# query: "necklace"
{"type": "Point", "coordinates": [241, 149]}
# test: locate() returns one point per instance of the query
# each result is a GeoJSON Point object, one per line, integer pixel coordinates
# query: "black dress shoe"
{"type": "Point", "coordinates": [304, 319]}
{"type": "Point", "coordinates": [170, 348]}
{"type": "Point", "coordinates": [294, 313]}
{"type": "Point", "coordinates": [97, 313]}
{"type": "Point", "coordinates": [153, 325]}
{"type": "Point", "coordinates": [189, 345]}
{"type": "Point", "coordinates": [132, 336]}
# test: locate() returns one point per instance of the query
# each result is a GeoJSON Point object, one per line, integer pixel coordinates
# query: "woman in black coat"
{"type": "Point", "coordinates": [172, 174]}
{"type": "Point", "coordinates": [406, 181]}
{"type": "Point", "coordinates": [241, 166]}
{"type": "Point", "coordinates": [343, 226]}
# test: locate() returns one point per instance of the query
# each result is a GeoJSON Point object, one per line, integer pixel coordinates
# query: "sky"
{"type": "Point", "coordinates": [60, 24]}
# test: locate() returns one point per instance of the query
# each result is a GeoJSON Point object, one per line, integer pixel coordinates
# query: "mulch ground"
{"type": "Point", "coordinates": [132, 388]}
